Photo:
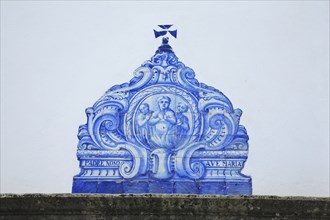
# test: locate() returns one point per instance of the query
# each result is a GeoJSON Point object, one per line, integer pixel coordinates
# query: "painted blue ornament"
{"type": "Point", "coordinates": [163, 132]}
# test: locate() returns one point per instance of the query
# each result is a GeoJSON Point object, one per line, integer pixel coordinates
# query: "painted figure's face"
{"type": "Point", "coordinates": [181, 107]}
{"type": "Point", "coordinates": [144, 109]}
{"type": "Point", "coordinates": [163, 104]}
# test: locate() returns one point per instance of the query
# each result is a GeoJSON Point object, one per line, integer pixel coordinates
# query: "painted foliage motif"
{"type": "Point", "coordinates": [163, 132]}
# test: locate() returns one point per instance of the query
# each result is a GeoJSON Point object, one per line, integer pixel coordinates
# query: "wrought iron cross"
{"type": "Point", "coordinates": [165, 29]}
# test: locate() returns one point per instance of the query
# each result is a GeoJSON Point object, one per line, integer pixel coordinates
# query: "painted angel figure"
{"type": "Point", "coordinates": [182, 122]}
{"type": "Point", "coordinates": [142, 123]}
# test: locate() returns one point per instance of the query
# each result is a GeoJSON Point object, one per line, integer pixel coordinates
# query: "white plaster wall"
{"type": "Point", "coordinates": [271, 58]}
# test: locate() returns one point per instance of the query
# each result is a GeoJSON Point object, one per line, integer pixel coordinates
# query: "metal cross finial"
{"type": "Point", "coordinates": [165, 29]}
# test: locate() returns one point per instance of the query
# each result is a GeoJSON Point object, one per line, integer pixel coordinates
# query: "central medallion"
{"type": "Point", "coordinates": [163, 116]}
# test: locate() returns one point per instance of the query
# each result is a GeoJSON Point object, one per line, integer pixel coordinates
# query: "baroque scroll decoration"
{"type": "Point", "coordinates": [163, 126]}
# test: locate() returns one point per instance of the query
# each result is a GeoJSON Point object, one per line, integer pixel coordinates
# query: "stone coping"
{"type": "Point", "coordinates": [85, 195]}
{"type": "Point", "coordinates": [160, 206]}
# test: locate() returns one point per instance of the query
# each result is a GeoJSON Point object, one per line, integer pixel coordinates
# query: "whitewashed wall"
{"type": "Point", "coordinates": [270, 58]}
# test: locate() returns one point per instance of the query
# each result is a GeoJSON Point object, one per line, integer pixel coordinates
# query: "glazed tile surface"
{"type": "Point", "coordinates": [163, 132]}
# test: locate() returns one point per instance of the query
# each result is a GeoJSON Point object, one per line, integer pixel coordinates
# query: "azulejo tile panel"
{"type": "Point", "coordinates": [163, 132]}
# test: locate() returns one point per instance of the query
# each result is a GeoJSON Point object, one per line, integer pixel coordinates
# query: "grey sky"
{"type": "Point", "coordinates": [270, 58]}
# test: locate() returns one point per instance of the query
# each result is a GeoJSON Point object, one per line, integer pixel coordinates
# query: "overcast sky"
{"type": "Point", "coordinates": [270, 58]}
